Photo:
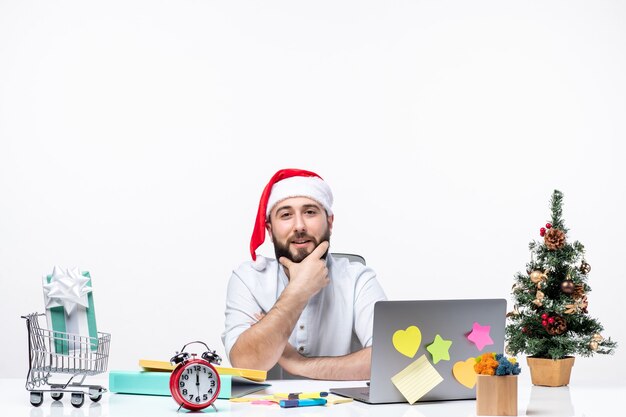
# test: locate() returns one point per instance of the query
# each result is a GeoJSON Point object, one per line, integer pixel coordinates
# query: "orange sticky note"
{"type": "Point", "coordinates": [464, 372]}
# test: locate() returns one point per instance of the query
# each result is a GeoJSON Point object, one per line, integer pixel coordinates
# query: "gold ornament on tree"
{"type": "Point", "coordinates": [567, 286]}
{"type": "Point", "coordinates": [539, 278]}
{"type": "Point", "coordinates": [538, 301]}
{"type": "Point", "coordinates": [595, 341]}
{"type": "Point", "coordinates": [578, 306]}
{"type": "Point", "coordinates": [515, 311]}
{"type": "Point", "coordinates": [585, 268]}
{"type": "Point", "coordinates": [554, 239]}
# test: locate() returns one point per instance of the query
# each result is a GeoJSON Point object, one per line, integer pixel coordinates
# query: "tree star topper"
{"type": "Point", "coordinates": [67, 289]}
{"type": "Point", "coordinates": [480, 336]}
{"type": "Point", "coordinates": [439, 349]}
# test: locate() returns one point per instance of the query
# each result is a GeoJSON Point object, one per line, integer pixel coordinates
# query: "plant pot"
{"type": "Point", "coordinates": [550, 372]}
{"type": "Point", "coordinates": [496, 395]}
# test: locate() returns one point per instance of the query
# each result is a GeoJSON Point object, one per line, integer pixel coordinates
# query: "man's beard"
{"type": "Point", "coordinates": [283, 250]}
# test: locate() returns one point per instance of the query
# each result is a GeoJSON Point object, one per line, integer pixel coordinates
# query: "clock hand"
{"type": "Point", "coordinates": [198, 382]}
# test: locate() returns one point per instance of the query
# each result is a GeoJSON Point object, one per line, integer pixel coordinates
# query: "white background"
{"type": "Point", "coordinates": [136, 137]}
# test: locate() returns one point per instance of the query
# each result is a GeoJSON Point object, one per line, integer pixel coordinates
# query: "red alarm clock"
{"type": "Point", "coordinates": [194, 382]}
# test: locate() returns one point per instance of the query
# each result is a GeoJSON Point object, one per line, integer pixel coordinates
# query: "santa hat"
{"type": "Point", "coordinates": [287, 183]}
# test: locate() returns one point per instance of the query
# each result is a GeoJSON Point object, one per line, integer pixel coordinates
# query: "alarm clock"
{"type": "Point", "coordinates": [194, 382]}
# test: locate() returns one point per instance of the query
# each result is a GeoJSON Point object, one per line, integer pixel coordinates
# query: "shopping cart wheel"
{"type": "Point", "coordinates": [36, 398]}
{"type": "Point", "coordinates": [78, 398]}
{"type": "Point", "coordinates": [56, 396]}
{"type": "Point", "coordinates": [95, 393]}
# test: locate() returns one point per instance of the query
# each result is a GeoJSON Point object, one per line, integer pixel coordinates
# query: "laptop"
{"type": "Point", "coordinates": [452, 320]}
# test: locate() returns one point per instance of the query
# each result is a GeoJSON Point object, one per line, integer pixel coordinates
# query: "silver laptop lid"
{"type": "Point", "coordinates": [453, 320]}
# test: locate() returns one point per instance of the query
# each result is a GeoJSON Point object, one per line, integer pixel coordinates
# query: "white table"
{"type": "Point", "coordinates": [576, 400]}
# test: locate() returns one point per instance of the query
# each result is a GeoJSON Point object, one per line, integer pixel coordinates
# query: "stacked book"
{"type": "Point", "coordinates": [154, 379]}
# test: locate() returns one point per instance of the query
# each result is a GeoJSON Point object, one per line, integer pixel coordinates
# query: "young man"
{"type": "Point", "coordinates": [307, 311]}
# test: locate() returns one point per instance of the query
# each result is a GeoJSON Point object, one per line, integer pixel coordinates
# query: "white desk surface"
{"type": "Point", "coordinates": [590, 399]}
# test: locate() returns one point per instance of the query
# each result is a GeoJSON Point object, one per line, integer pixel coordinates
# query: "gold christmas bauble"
{"type": "Point", "coordinates": [593, 345]}
{"type": "Point", "coordinates": [585, 268]}
{"type": "Point", "coordinates": [538, 277]}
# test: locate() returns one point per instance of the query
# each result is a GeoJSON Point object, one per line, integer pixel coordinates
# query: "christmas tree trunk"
{"type": "Point", "coordinates": [550, 319]}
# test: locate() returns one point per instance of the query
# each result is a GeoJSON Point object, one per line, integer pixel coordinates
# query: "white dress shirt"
{"type": "Point", "coordinates": [336, 321]}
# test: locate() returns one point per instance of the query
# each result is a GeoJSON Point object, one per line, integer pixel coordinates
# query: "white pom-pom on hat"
{"type": "Point", "coordinates": [260, 263]}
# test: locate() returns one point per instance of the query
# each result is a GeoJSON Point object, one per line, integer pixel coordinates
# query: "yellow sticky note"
{"type": "Point", "coordinates": [417, 379]}
{"type": "Point", "coordinates": [250, 399]}
{"type": "Point", "coordinates": [407, 341]}
{"type": "Point", "coordinates": [333, 399]}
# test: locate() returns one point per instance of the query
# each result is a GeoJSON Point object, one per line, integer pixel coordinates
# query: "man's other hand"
{"type": "Point", "coordinates": [291, 361]}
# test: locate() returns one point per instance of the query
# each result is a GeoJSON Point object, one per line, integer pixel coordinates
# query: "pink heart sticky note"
{"type": "Point", "coordinates": [263, 402]}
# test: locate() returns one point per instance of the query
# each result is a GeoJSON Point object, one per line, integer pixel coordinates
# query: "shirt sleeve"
{"type": "Point", "coordinates": [241, 306]}
{"type": "Point", "coordinates": [367, 292]}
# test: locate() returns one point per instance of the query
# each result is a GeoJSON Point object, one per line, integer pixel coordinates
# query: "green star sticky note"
{"type": "Point", "coordinates": [439, 349]}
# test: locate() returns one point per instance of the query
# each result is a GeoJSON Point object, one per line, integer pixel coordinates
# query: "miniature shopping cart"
{"type": "Point", "coordinates": [51, 352]}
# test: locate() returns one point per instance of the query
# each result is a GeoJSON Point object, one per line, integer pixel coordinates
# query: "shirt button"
{"type": "Point", "coordinates": [302, 327]}
{"type": "Point", "coordinates": [301, 349]}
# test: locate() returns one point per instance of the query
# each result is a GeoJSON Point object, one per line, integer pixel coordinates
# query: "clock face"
{"type": "Point", "coordinates": [198, 384]}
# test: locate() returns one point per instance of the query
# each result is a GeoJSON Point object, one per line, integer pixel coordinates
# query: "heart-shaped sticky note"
{"type": "Point", "coordinates": [464, 372]}
{"type": "Point", "coordinates": [407, 341]}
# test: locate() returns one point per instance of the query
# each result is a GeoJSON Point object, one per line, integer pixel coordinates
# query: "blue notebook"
{"type": "Point", "coordinates": [158, 383]}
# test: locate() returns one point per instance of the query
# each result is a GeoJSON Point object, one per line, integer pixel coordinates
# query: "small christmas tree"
{"type": "Point", "coordinates": [550, 318]}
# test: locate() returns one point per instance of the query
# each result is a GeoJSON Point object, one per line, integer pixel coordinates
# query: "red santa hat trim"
{"type": "Point", "coordinates": [284, 184]}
